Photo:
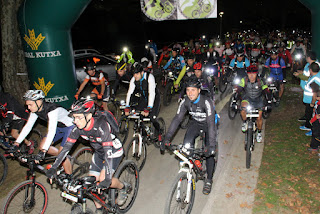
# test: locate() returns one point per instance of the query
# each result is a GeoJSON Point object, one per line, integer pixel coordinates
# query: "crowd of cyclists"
{"type": "Point", "coordinates": [201, 67]}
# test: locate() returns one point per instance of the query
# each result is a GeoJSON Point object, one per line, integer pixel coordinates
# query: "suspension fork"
{"type": "Point", "coordinates": [137, 134]}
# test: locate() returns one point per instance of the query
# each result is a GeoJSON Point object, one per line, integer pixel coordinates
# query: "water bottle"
{"type": "Point", "coordinates": [198, 163]}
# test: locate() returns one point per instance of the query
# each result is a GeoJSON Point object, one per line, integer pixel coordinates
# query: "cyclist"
{"type": "Point", "coordinates": [201, 108]}
{"type": "Point", "coordinates": [286, 56]}
{"type": "Point", "coordinates": [59, 125]}
{"type": "Point", "coordinates": [228, 53]}
{"type": "Point", "coordinates": [176, 60]}
{"type": "Point", "coordinates": [298, 48]}
{"type": "Point", "coordinates": [126, 56]}
{"type": "Point", "coordinates": [276, 64]}
{"type": "Point", "coordinates": [123, 76]}
{"type": "Point", "coordinates": [143, 96]}
{"type": "Point", "coordinates": [198, 51]}
{"type": "Point", "coordinates": [207, 87]}
{"type": "Point", "coordinates": [108, 151]}
{"type": "Point", "coordinates": [146, 64]}
{"type": "Point", "coordinates": [101, 84]}
{"type": "Point", "coordinates": [150, 54]}
{"type": "Point", "coordinates": [253, 89]}
{"type": "Point", "coordinates": [164, 57]}
{"type": "Point", "coordinates": [240, 63]}
{"type": "Point", "coordinates": [14, 115]}
{"type": "Point", "coordinates": [189, 72]}
{"type": "Point", "coordinates": [213, 61]}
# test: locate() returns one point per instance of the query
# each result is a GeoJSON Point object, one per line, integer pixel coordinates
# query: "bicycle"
{"type": "Point", "coordinates": [202, 8]}
{"type": "Point", "coordinates": [29, 196]}
{"type": "Point", "coordinates": [6, 142]}
{"type": "Point", "coordinates": [78, 190]}
{"type": "Point", "coordinates": [169, 89]}
{"type": "Point", "coordinates": [113, 105]}
{"type": "Point", "coordinates": [192, 168]}
{"type": "Point", "coordinates": [250, 138]}
{"type": "Point", "coordinates": [165, 7]}
{"type": "Point", "coordinates": [142, 134]}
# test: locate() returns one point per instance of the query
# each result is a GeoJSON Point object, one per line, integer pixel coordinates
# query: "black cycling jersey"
{"type": "Point", "coordinates": [101, 140]}
{"type": "Point", "coordinates": [202, 112]}
{"type": "Point", "coordinates": [11, 109]}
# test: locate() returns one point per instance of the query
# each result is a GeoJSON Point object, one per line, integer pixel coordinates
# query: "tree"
{"type": "Point", "coordinates": [13, 62]}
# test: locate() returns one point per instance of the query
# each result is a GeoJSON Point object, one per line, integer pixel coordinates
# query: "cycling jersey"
{"type": "Point", "coordinates": [202, 113]}
{"type": "Point", "coordinates": [105, 145]}
{"type": "Point", "coordinates": [126, 57]}
{"type": "Point", "coordinates": [286, 56]}
{"type": "Point", "coordinates": [164, 57]}
{"type": "Point", "coordinates": [276, 67]}
{"type": "Point", "coordinates": [243, 64]}
{"type": "Point", "coordinates": [252, 91]}
{"type": "Point", "coordinates": [177, 62]}
{"type": "Point", "coordinates": [55, 115]}
{"type": "Point", "coordinates": [97, 80]}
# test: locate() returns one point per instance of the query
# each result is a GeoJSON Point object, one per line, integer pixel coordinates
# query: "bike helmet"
{"type": "Point", "coordinates": [165, 48]}
{"type": "Point", "coordinates": [274, 50]}
{"type": "Point", "coordinates": [90, 66]}
{"type": "Point", "coordinates": [82, 106]}
{"type": "Point", "coordinates": [190, 56]}
{"type": "Point", "coordinates": [193, 82]}
{"type": "Point", "coordinates": [137, 68]}
{"type": "Point", "coordinates": [197, 66]}
{"type": "Point", "coordinates": [121, 65]}
{"type": "Point", "coordinates": [34, 95]}
{"type": "Point", "coordinates": [252, 69]}
{"type": "Point", "coordinates": [240, 52]}
{"type": "Point", "coordinates": [176, 49]}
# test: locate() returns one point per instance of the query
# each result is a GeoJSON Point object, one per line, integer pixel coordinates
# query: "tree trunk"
{"type": "Point", "coordinates": [13, 62]}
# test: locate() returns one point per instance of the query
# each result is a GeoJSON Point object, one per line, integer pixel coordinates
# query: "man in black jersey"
{"type": "Point", "coordinates": [108, 151]}
{"type": "Point", "coordinates": [201, 108]}
{"type": "Point", "coordinates": [59, 124]}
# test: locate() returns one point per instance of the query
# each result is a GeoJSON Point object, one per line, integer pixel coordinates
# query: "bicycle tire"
{"type": "Point", "coordinates": [130, 155]}
{"type": "Point", "coordinates": [248, 147]}
{"type": "Point", "coordinates": [223, 83]}
{"type": "Point", "coordinates": [231, 113]}
{"type": "Point", "coordinates": [206, 8]}
{"type": "Point", "coordinates": [162, 131]}
{"type": "Point", "coordinates": [81, 157]}
{"type": "Point", "coordinates": [185, 208]}
{"type": "Point", "coordinates": [24, 205]}
{"type": "Point", "coordinates": [77, 209]}
{"type": "Point", "coordinates": [167, 95]}
{"type": "Point", "coordinates": [123, 129]}
{"type": "Point", "coordinates": [3, 168]}
{"type": "Point", "coordinates": [114, 109]}
{"type": "Point", "coordinates": [126, 172]}
{"type": "Point", "coordinates": [195, 14]}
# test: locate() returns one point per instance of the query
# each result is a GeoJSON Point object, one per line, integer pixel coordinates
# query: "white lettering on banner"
{"type": "Point", "coordinates": [57, 99]}
{"type": "Point", "coordinates": [48, 54]}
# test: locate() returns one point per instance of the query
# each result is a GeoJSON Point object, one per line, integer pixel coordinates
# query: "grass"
{"type": "Point", "coordinates": [289, 175]}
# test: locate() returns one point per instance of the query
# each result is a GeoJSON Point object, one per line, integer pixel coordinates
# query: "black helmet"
{"type": "Point", "coordinates": [239, 51]}
{"type": "Point", "coordinates": [90, 66]}
{"type": "Point", "coordinates": [82, 106]}
{"type": "Point", "coordinates": [121, 65]}
{"type": "Point", "coordinates": [274, 50]}
{"type": "Point", "coordinates": [137, 68]}
{"type": "Point", "coordinates": [193, 82]}
{"type": "Point", "coordinates": [176, 49]}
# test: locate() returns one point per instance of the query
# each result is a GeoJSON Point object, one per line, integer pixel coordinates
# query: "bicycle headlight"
{"type": "Point", "coordinates": [249, 108]}
{"type": "Point", "coordinates": [187, 146]}
{"type": "Point", "coordinates": [170, 73]}
{"type": "Point", "coordinates": [236, 81]}
{"type": "Point", "coordinates": [269, 79]}
{"type": "Point", "coordinates": [125, 49]}
{"type": "Point", "coordinates": [298, 56]}
{"type": "Point", "coordinates": [122, 102]}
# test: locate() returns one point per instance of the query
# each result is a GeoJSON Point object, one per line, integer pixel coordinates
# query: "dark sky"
{"type": "Point", "coordinates": [110, 24]}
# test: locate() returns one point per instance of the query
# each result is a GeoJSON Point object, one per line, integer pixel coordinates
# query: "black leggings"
{"type": "Point", "coordinates": [192, 133]}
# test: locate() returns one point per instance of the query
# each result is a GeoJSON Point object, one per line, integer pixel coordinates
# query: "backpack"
{"type": "Point", "coordinates": [110, 119]}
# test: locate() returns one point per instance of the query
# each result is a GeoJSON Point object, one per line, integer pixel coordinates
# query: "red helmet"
{"type": "Point", "coordinates": [82, 106]}
{"type": "Point", "coordinates": [197, 66]}
{"type": "Point", "coordinates": [252, 69]}
{"type": "Point", "coordinates": [165, 48]}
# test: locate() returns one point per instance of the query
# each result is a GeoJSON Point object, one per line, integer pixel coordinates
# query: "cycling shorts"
{"type": "Point", "coordinates": [97, 90]}
{"type": "Point", "coordinates": [97, 164]}
{"type": "Point", "coordinates": [62, 133]}
{"type": "Point", "coordinates": [17, 124]}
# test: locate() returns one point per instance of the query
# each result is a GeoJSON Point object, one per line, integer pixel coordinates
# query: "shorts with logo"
{"type": "Point", "coordinates": [17, 124]}
{"type": "Point", "coordinates": [256, 103]}
{"type": "Point", "coordinates": [97, 164]}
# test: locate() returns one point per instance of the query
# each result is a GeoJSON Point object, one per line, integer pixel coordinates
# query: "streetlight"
{"type": "Point", "coordinates": [221, 14]}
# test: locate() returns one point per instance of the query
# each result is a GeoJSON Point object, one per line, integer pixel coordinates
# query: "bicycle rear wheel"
{"type": "Point", "coordinates": [128, 173]}
{"type": "Point", "coordinates": [19, 199]}
{"type": "Point", "coordinates": [3, 168]}
{"type": "Point", "coordinates": [114, 109]}
{"type": "Point", "coordinates": [82, 158]}
{"type": "Point", "coordinates": [176, 201]}
{"type": "Point", "coordinates": [168, 93]}
{"type": "Point", "coordinates": [123, 129]}
{"type": "Point", "coordinates": [133, 154]}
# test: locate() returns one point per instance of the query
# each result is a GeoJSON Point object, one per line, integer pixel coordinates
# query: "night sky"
{"type": "Point", "coordinates": [110, 24]}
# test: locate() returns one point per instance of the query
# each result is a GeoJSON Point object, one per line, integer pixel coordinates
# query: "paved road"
{"type": "Point", "coordinates": [233, 184]}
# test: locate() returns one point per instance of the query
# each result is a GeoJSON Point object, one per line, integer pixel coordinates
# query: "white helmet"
{"type": "Point", "coordinates": [34, 95]}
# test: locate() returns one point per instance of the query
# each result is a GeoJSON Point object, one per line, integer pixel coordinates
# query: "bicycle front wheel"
{"type": "Point", "coordinates": [82, 159]}
{"type": "Point", "coordinates": [248, 148]}
{"type": "Point", "coordinates": [127, 173]}
{"type": "Point", "coordinates": [133, 153]}
{"type": "Point", "coordinates": [26, 198]}
{"type": "Point", "coordinates": [177, 201]}
{"type": "Point", "coordinates": [3, 168]}
{"type": "Point", "coordinates": [123, 129]}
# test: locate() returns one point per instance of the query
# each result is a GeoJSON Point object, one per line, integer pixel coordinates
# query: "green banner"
{"type": "Point", "coordinates": [45, 30]}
